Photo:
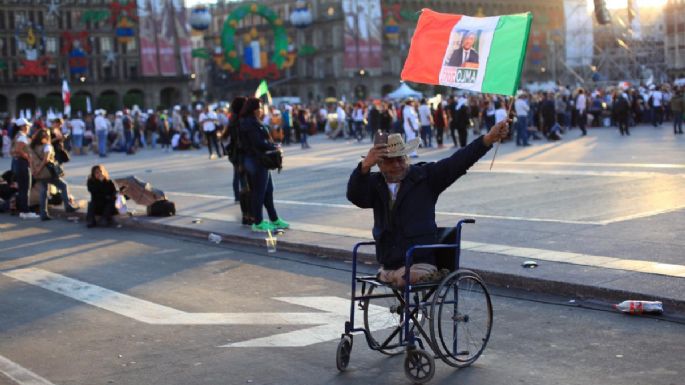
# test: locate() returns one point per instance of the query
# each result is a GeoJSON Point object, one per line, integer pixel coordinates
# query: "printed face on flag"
{"type": "Point", "coordinates": [469, 46]}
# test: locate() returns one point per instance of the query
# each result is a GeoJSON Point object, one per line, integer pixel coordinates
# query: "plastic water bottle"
{"type": "Point", "coordinates": [214, 238]}
{"type": "Point", "coordinates": [640, 307]}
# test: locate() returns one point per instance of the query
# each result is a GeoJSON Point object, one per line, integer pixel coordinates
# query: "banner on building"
{"type": "Point", "coordinates": [363, 34]}
{"type": "Point", "coordinates": [166, 38]}
{"type": "Point", "coordinates": [147, 34]}
{"type": "Point", "coordinates": [183, 36]}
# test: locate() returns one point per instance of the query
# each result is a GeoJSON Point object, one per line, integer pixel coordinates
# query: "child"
{"type": "Point", "coordinates": [103, 194]}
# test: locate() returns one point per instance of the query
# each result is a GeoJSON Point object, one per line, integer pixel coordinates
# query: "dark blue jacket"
{"type": "Point", "coordinates": [254, 137]}
{"type": "Point", "coordinates": [411, 220]}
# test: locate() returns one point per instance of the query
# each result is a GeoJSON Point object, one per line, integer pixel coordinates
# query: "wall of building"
{"type": "Point", "coordinates": [112, 67]}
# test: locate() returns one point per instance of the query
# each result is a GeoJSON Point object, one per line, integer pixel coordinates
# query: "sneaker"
{"type": "Point", "coordinates": [29, 216]}
{"type": "Point", "coordinates": [280, 224]}
{"type": "Point", "coordinates": [263, 226]}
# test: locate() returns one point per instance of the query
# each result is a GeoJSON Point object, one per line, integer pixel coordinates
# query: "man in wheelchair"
{"type": "Point", "coordinates": [403, 198]}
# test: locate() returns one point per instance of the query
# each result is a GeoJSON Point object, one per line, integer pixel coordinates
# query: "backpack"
{"type": "Point", "coordinates": [161, 208]}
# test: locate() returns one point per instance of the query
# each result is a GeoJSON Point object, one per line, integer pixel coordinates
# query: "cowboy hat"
{"type": "Point", "coordinates": [397, 147]}
{"type": "Point", "coordinates": [22, 122]}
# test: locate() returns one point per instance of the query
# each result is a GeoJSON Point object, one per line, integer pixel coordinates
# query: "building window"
{"type": "Point", "coordinates": [51, 45]}
{"type": "Point", "coordinates": [131, 46]}
{"type": "Point", "coordinates": [105, 44]}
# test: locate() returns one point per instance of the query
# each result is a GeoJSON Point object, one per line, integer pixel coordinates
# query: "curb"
{"type": "Point", "coordinates": [582, 292]}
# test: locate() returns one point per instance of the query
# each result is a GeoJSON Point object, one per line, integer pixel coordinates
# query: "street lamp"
{"type": "Point", "coordinates": [362, 72]}
{"type": "Point", "coordinates": [82, 79]}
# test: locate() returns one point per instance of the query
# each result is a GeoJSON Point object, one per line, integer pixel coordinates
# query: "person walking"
{"type": "Point", "coordinates": [21, 161]}
{"type": "Point", "coordinates": [358, 121]}
{"type": "Point", "coordinates": [102, 128]}
{"type": "Point", "coordinates": [78, 128]}
{"type": "Point", "coordinates": [256, 141]}
{"type": "Point", "coordinates": [440, 121]}
{"type": "Point", "coordinates": [581, 107]}
{"type": "Point", "coordinates": [462, 115]}
{"type": "Point", "coordinates": [622, 113]}
{"type": "Point", "coordinates": [522, 110]}
{"type": "Point", "coordinates": [677, 109]}
{"type": "Point", "coordinates": [411, 124]}
{"type": "Point", "coordinates": [426, 122]}
{"type": "Point", "coordinates": [208, 121]}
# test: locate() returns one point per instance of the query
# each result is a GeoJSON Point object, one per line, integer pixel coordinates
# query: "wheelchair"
{"type": "Point", "coordinates": [448, 320]}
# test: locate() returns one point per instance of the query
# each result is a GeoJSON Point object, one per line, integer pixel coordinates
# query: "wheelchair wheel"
{"type": "Point", "coordinates": [383, 319]}
{"type": "Point", "coordinates": [419, 366]}
{"type": "Point", "coordinates": [342, 355]}
{"type": "Point", "coordinates": [461, 318]}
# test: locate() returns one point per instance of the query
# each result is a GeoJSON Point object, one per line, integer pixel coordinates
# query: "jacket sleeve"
{"type": "Point", "coordinates": [359, 188]}
{"type": "Point", "coordinates": [446, 171]}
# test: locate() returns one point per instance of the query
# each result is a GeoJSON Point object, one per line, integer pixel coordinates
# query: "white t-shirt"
{"type": "Point", "coordinates": [341, 114]}
{"type": "Point", "coordinates": [208, 121]}
{"type": "Point", "coordinates": [521, 107]}
{"type": "Point", "coordinates": [393, 187]}
{"type": "Point", "coordinates": [425, 115]}
{"type": "Point", "coordinates": [581, 103]}
{"type": "Point", "coordinates": [22, 138]}
{"type": "Point", "coordinates": [657, 98]}
{"type": "Point", "coordinates": [101, 123]}
{"type": "Point", "coordinates": [175, 139]}
{"type": "Point", "coordinates": [500, 115]}
{"type": "Point", "coordinates": [77, 126]}
{"type": "Point", "coordinates": [411, 119]}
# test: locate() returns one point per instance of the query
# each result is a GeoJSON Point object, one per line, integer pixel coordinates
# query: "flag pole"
{"type": "Point", "coordinates": [500, 141]}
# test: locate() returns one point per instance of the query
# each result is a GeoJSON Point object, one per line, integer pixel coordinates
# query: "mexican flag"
{"type": "Point", "coordinates": [66, 98]}
{"type": "Point", "coordinates": [263, 89]}
{"type": "Point", "coordinates": [480, 54]}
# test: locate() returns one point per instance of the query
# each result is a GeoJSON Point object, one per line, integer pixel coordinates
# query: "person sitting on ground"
{"type": "Point", "coordinates": [403, 198]}
{"type": "Point", "coordinates": [103, 195]}
{"type": "Point", "coordinates": [180, 141]}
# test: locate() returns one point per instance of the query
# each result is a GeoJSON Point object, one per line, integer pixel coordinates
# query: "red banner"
{"type": "Point", "coordinates": [147, 34]}
{"type": "Point", "coordinates": [183, 36]}
{"type": "Point", "coordinates": [166, 41]}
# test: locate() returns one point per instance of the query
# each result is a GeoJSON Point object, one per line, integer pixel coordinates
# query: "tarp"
{"type": "Point", "coordinates": [139, 191]}
{"type": "Point", "coordinates": [403, 92]}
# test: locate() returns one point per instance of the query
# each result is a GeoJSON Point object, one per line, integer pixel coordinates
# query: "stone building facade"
{"type": "Point", "coordinates": [674, 14]}
{"type": "Point", "coordinates": [66, 34]}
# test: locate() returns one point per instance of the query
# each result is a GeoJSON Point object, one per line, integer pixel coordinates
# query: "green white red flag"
{"type": "Point", "coordinates": [480, 54]}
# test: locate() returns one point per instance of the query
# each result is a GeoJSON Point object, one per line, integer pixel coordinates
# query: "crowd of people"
{"type": "Point", "coordinates": [246, 129]}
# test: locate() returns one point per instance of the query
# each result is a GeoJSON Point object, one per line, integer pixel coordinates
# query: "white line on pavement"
{"type": "Point", "coordinates": [20, 374]}
{"type": "Point", "coordinates": [152, 313]}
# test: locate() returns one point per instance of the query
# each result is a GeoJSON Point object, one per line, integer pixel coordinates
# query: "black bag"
{"type": "Point", "coordinates": [61, 155]}
{"type": "Point", "coordinates": [161, 208]}
{"type": "Point", "coordinates": [55, 170]}
{"type": "Point", "coordinates": [272, 160]}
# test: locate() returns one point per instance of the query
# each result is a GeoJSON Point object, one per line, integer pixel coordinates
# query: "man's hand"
{"type": "Point", "coordinates": [376, 153]}
{"type": "Point", "coordinates": [498, 132]}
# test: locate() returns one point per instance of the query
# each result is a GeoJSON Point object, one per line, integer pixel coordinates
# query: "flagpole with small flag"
{"type": "Point", "coordinates": [263, 89]}
{"type": "Point", "coordinates": [66, 98]}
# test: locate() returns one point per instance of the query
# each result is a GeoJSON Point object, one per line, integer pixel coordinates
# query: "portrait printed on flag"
{"type": "Point", "coordinates": [466, 55]}
{"type": "Point", "coordinates": [464, 49]}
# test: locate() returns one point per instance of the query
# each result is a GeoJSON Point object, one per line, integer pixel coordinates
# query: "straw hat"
{"type": "Point", "coordinates": [397, 147]}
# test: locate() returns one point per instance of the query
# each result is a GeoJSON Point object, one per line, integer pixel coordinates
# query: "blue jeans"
{"type": "Point", "coordinates": [77, 142]}
{"type": "Point", "coordinates": [522, 131]}
{"type": "Point", "coordinates": [359, 130]}
{"type": "Point", "coordinates": [262, 189]}
{"type": "Point", "coordinates": [128, 140]}
{"type": "Point", "coordinates": [102, 142]}
{"type": "Point", "coordinates": [427, 136]}
{"type": "Point", "coordinates": [63, 189]}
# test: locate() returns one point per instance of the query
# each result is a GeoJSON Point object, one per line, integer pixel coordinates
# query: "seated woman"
{"type": "Point", "coordinates": [103, 194]}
